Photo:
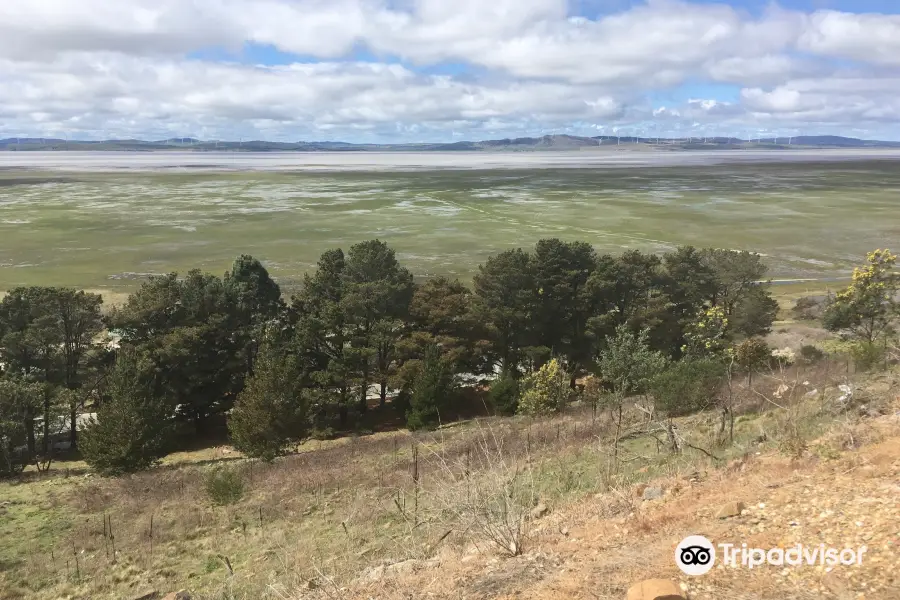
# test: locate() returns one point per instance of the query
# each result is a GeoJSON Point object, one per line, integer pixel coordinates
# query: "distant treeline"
{"type": "Point", "coordinates": [546, 142]}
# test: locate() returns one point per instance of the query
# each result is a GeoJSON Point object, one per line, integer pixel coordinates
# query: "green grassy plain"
{"type": "Point", "coordinates": [107, 230]}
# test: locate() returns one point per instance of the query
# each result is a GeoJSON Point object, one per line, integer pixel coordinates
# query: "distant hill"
{"type": "Point", "coordinates": [558, 142]}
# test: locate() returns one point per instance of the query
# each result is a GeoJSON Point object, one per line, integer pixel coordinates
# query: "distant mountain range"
{"type": "Point", "coordinates": [547, 142]}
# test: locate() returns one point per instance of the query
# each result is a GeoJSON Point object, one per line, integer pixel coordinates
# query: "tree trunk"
{"type": "Point", "coordinates": [670, 431]}
{"type": "Point", "coordinates": [364, 388]}
{"type": "Point", "coordinates": [363, 404]}
{"type": "Point", "coordinates": [29, 428]}
{"type": "Point", "coordinates": [200, 423]}
{"type": "Point", "coordinates": [383, 393]}
{"type": "Point", "coordinates": [572, 380]}
{"type": "Point", "coordinates": [45, 443]}
{"type": "Point", "coordinates": [730, 425]}
{"type": "Point", "coordinates": [73, 427]}
{"type": "Point", "coordinates": [616, 442]}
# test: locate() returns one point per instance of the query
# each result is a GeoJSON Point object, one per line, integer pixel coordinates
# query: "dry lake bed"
{"type": "Point", "coordinates": [105, 220]}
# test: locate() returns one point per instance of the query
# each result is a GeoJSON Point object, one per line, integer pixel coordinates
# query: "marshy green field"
{"type": "Point", "coordinates": [109, 230]}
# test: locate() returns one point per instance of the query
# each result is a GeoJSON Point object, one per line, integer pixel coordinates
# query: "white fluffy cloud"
{"type": "Point", "coordinates": [103, 68]}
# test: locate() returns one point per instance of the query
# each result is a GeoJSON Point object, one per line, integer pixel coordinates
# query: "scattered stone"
{"type": "Point", "coordinates": [655, 589]}
{"type": "Point", "coordinates": [179, 595]}
{"type": "Point", "coordinates": [146, 595]}
{"type": "Point", "coordinates": [539, 511]}
{"type": "Point", "coordinates": [732, 509]}
{"type": "Point", "coordinates": [652, 493]}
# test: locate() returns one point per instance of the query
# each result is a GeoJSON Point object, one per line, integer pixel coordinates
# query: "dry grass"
{"type": "Point", "coordinates": [337, 514]}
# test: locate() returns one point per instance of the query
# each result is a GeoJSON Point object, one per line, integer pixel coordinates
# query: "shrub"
{"type": "Point", "coordinates": [270, 411]}
{"type": "Point", "coordinates": [133, 427]}
{"type": "Point", "coordinates": [809, 354]}
{"type": "Point", "coordinates": [808, 308]}
{"type": "Point", "coordinates": [752, 354]}
{"type": "Point", "coordinates": [687, 386]}
{"type": "Point", "coordinates": [545, 391]}
{"type": "Point", "coordinates": [867, 356]}
{"type": "Point", "coordinates": [706, 335]}
{"type": "Point", "coordinates": [504, 395]}
{"type": "Point", "coordinates": [430, 393]}
{"type": "Point", "coordinates": [628, 363]}
{"type": "Point", "coordinates": [401, 402]}
{"type": "Point", "coordinates": [19, 401]}
{"type": "Point", "coordinates": [867, 308]}
{"type": "Point", "coordinates": [784, 356]}
{"type": "Point", "coordinates": [224, 486]}
{"type": "Point", "coordinates": [493, 503]}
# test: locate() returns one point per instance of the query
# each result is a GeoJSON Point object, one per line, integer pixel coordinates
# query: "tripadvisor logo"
{"type": "Point", "coordinates": [696, 555]}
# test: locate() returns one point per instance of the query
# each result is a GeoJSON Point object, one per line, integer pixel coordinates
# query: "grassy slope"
{"type": "Point", "coordinates": [334, 509]}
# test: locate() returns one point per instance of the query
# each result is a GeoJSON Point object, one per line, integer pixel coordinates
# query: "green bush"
{"type": "Point", "coordinates": [18, 401]}
{"type": "Point", "coordinates": [545, 391]}
{"type": "Point", "coordinates": [430, 392]}
{"type": "Point", "coordinates": [809, 354]}
{"type": "Point", "coordinates": [504, 395]}
{"type": "Point", "coordinates": [270, 412]}
{"type": "Point", "coordinates": [867, 356]}
{"type": "Point", "coordinates": [687, 386]}
{"type": "Point", "coordinates": [133, 427]}
{"type": "Point", "coordinates": [224, 486]}
{"type": "Point", "coordinates": [808, 308]}
{"type": "Point", "coordinates": [401, 402]}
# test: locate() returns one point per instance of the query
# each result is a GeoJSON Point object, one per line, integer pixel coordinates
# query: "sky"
{"type": "Point", "coordinates": [448, 70]}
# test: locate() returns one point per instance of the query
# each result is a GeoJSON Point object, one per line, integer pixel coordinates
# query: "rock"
{"type": "Point", "coordinates": [732, 509]}
{"type": "Point", "coordinates": [146, 595]}
{"type": "Point", "coordinates": [652, 493]}
{"type": "Point", "coordinates": [372, 574]}
{"type": "Point", "coordinates": [179, 595]}
{"type": "Point", "coordinates": [539, 511]}
{"type": "Point", "coordinates": [655, 589]}
{"type": "Point", "coordinates": [404, 566]}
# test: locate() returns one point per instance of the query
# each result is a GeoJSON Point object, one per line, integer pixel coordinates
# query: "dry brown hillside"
{"type": "Point", "coordinates": [597, 547]}
{"type": "Point", "coordinates": [402, 516]}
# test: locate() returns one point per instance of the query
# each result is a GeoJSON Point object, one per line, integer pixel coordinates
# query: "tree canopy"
{"type": "Point", "coordinates": [202, 350]}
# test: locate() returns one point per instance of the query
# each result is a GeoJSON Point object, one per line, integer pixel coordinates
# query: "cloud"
{"type": "Point", "coordinates": [522, 67]}
{"type": "Point", "coordinates": [111, 91]}
{"type": "Point", "coordinates": [862, 37]}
